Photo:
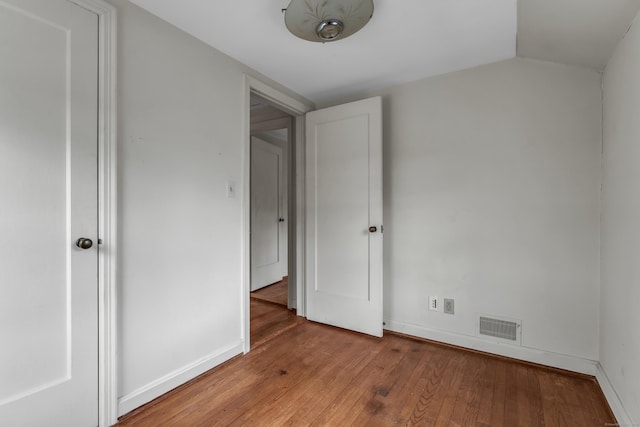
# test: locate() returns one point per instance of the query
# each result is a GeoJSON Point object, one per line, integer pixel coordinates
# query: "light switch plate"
{"type": "Point", "coordinates": [231, 189]}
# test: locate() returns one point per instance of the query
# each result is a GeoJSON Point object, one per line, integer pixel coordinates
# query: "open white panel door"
{"type": "Point", "coordinates": [48, 225]}
{"type": "Point", "coordinates": [268, 244]}
{"type": "Point", "coordinates": [344, 216]}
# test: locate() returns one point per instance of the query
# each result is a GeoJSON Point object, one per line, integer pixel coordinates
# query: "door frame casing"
{"type": "Point", "coordinates": [297, 109]}
{"type": "Point", "coordinates": [107, 209]}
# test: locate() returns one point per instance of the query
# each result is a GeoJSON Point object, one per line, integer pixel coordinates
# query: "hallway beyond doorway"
{"type": "Point", "coordinates": [276, 293]}
{"type": "Point", "coordinates": [269, 314]}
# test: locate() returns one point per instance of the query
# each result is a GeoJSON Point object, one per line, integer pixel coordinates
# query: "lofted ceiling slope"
{"type": "Point", "coordinates": [405, 40]}
{"type": "Point", "coordinates": [574, 32]}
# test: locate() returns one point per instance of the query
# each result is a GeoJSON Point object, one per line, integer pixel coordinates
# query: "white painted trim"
{"type": "Point", "coordinates": [281, 100]}
{"type": "Point", "coordinates": [107, 209]}
{"type": "Point", "coordinates": [615, 403]}
{"type": "Point", "coordinates": [292, 292]}
{"type": "Point", "coordinates": [299, 179]}
{"type": "Point", "coordinates": [555, 360]}
{"type": "Point", "coordinates": [246, 215]}
{"type": "Point", "coordinates": [176, 378]}
{"type": "Point", "coordinates": [297, 109]}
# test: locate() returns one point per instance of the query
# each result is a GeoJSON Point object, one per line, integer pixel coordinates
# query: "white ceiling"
{"type": "Point", "coordinates": [405, 40]}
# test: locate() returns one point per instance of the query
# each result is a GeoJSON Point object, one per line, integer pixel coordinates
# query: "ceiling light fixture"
{"type": "Point", "coordinates": [327, 20]}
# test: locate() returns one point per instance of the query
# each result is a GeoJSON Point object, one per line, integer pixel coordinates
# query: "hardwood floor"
{"type": "Point", "coordinates": [276, 293]}
{"type": "Point", "coordinates": [269, 320]}
{"type": "Point", "coordinates": [312, 374]}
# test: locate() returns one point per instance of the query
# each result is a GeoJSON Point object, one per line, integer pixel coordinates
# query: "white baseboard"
{"type": "Point", "coordinates": [172, 380]}
{"type": "Point", "coordinates": [555, 360]}
{"type": "Point", "coordinates": [621, 414]}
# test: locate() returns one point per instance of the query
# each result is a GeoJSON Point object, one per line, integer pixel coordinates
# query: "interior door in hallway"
{"type": "Point", "coordinates": [268, 214]}
{"type": "Point", "coordinates": [48, 188]}
{"type": "Point", "coordinates": [344, 216]}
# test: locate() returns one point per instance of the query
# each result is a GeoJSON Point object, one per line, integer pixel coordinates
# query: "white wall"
{"type": "Point", "coordinates": [181, 118]}
{"type": "Point", "coordinates": [620, 294]}
{"type": "Point", "coordinates": [492, 179]}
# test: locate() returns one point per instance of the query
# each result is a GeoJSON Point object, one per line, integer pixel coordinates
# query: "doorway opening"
{"type": "Point", "coordinates": [349, 295]}
{"type": "Point", "coordinates": [293, 110]}
{"type": "Point", "coordinates": [272, 241]}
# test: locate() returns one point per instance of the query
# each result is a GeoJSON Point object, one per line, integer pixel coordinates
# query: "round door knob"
{"type": "Point", "coordinates": [373, 229]}
{"type": "Point", "coordinates": [84, 243]}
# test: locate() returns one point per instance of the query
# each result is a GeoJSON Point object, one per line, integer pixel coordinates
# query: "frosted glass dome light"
{"type": "Point", "coordinates": [327, 20]}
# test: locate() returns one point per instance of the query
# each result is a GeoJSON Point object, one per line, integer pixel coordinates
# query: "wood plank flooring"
{"type": "Point", "coordinates": [312, 374]}
{"type": "Point", "coordinates": [276, 293]}
{"type": "Point", "coordinates": [269, 320]}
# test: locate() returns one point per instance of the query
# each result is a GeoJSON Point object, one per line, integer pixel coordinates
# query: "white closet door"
{"type": "Point", "coordinates": [48, 188]}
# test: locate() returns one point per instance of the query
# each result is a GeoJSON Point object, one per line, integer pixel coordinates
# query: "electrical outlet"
{"type": "Point", "coordinates": [433, 304]}
{"type": "Point", "coordinates": [448, 306]}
